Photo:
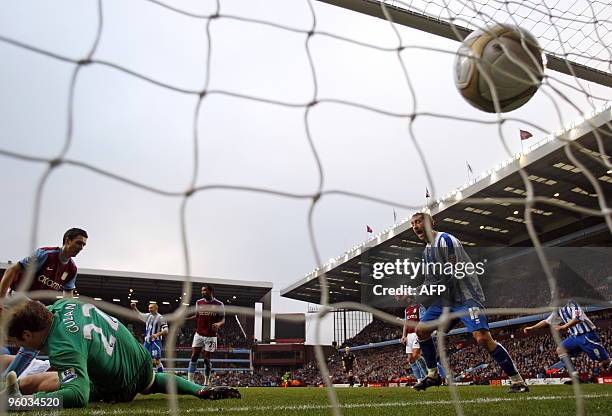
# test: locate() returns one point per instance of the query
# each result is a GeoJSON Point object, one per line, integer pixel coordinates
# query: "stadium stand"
{"type": "Point", "coordinates": [384, 362]}
{"type": "Point", "coordinates": [534, 354]}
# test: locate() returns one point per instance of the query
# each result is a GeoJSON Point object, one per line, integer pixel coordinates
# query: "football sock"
{"type": "Point", "coordinates": [422, 366]}
{"type": "Point", "coordinates": [416, 370]}
{"type": "Point", "coordinates": [21, 361]}
{"type": "Point", "coordinates": [561, 362]}
{"type": "Point", "coordinates": [501, 356]}
{"type": "Point", "coordinates": [441, 370]}
{"type": "Point", "coordinates": [207, 368]}
{"type": "Point", "coordinates": [193, 365]}
{"type": "Point", "coordinates": [160, 385]}
{"type": "Point", "coordinates": [428, 350]}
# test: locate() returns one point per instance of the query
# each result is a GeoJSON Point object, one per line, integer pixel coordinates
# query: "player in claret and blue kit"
{"type": "Point", "coordinates": [412, 316]}
{"type": "Point", "coordinates": [210, 317]}
{"type": "Point", "coordinates": [54, 269]}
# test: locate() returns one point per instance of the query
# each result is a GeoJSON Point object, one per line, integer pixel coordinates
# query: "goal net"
{"type": "Point", "coordinates": [247, 138]}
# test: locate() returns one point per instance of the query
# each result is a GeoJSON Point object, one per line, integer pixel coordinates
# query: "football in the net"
{"type": "Point", "coordinates": [505, 57]}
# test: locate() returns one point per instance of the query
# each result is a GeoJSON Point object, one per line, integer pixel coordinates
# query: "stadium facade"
{"type": "Point", "coordinates": [124, 287]}
{"type": "Point", "coordinates": [478, 215]}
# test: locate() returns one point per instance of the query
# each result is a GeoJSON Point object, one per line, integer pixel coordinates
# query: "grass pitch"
{"type": "Point", "coordinates": [475, 400]}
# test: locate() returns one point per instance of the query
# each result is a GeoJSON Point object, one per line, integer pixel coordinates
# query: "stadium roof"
{"type": "Point", "coordinates": [550, 172]}
{"type": "Point", "coordinates": [110, 284]}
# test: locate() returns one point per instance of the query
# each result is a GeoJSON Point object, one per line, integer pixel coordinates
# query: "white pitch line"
{"type": "Point", "coordinates": [347, 405]}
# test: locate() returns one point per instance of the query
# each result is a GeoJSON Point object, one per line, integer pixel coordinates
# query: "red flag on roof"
{"type": "Point", "coordinates": [525, 134]}
{"type": "Point", "coordinates": [368, 229]}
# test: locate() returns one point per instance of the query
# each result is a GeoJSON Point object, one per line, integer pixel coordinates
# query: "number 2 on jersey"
{"type": "Point", "coordinates": [107, 342]}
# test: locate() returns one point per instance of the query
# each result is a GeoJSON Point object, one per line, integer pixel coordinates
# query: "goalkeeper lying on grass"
{"type": "Point", "coordinates": [95, 356]}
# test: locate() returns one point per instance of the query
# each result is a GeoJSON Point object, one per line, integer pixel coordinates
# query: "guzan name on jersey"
{"type": "Point", "coordinates": [68, 318]}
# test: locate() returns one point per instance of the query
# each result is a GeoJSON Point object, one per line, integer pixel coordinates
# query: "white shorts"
{"type": "Point", "coordinates": [35, 367]}
{"type": "Point", "coordinates": [209, 343]}
{"type": "Point", "coordinates": [412, 343]}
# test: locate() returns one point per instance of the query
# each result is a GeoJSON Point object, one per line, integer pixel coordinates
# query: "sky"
{"type": "Point", "coordinates": [144, 132]}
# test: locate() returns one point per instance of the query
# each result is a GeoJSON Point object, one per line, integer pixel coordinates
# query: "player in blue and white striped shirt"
{"type": "Point", "coordinates": [155, 329]}
{"type": "Point", "coordinates": [583, 335]}
{"type": "Point", "coordinates": [464, 295]}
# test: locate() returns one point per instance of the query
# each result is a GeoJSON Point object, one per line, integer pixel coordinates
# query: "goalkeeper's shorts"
{"type": "Point", "coordinates": [125, 393]}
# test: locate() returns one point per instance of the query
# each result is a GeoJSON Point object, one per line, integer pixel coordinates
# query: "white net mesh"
{"type": "Point", "coordinates": [578, 30]}
{"type": "Point", "coordinates": [270, 61]}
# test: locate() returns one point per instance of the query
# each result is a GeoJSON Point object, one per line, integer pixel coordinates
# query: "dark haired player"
{"type": "Point", "coordinates": [412, 313]}
{"type": "Point", "coordinates": [210, 316]}
{"type": "Point", "coordinates": [54, 269]}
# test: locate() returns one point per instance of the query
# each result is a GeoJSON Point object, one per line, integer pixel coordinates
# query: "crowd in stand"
{"type": "Point", "coordinates": [261, 378]}
{"type": "Point", "coordinates": [376, 331]}
{"type": "Point", "coordinates": [501, 290]}
{"type": "Point", "coordinates": [532, 354]}
{"type": "Point", "coordinates": [596, 273]}
{"type": "Point", "coordinates": [230, 335]}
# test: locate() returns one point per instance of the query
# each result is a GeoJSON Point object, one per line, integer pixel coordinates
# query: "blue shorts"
{"type": "Point", "coordinates": [473, 321]}
{"type": "Point", "coordinates": [154, 349]}
{"type": "Point", "coordinates": [588, 343]}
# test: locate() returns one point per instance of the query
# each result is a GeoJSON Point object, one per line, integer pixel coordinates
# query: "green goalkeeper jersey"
{"type": "Point", "coordinates": [96, 357]}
